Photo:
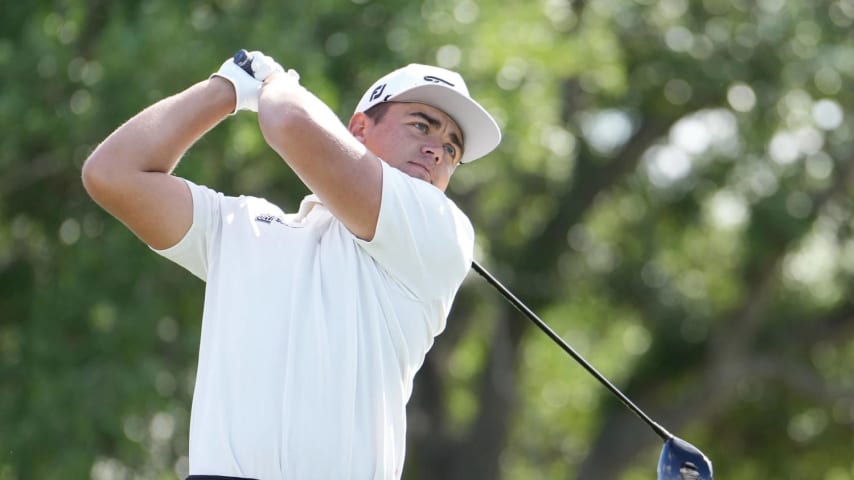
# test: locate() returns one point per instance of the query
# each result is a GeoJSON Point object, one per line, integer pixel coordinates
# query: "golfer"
{"type": "Point", "coordinates": [315, 321]}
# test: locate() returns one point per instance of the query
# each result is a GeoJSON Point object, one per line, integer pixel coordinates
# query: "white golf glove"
{"type": "Point", "coordinates": [245, 71]}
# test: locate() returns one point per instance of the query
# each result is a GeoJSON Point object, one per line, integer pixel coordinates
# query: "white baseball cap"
{"type": "Point", "coordinates": [442, 89]}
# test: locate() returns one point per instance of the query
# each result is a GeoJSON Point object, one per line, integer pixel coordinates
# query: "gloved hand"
{"type": "Point", "coordinates": [245, 71]}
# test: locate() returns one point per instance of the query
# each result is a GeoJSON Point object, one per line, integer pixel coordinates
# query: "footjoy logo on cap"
{"type": "Point", "coordinates": [377, 92]}
{"type": "Point", "coordinates": [431, 78]}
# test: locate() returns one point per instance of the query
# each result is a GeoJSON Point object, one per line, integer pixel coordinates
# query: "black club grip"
{"type": "Point", "coordinates": [244, 61]}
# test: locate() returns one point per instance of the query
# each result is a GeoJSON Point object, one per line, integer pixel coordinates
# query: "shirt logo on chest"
{"type": "Point", "coordinates": [269, 219]}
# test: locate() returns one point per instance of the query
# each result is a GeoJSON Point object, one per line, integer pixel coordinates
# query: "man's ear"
{"type": "Point", "coordinates": [359, 126]}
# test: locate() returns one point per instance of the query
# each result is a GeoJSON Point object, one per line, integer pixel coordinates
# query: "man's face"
{"type": "Point", "coordinates": [417, 139]}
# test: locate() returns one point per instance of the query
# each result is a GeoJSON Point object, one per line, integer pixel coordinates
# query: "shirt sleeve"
{"type": "Point", "coordinates": [193, 250]}
{"type": "Point", "coordinates": [422, 238]}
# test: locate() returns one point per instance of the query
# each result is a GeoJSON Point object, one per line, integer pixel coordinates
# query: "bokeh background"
{"type": "Point", "coordinates": [673, 195]}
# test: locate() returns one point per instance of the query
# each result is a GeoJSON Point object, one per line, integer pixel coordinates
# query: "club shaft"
{"type": "Point", "coordinates": [658, 429]}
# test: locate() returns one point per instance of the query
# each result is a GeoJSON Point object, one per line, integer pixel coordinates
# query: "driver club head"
{"type": "Point", "coordinates": [682, 461]}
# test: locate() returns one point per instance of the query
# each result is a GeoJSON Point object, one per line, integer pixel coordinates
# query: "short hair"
{"type": "Point", "coordinates": [378, 111]}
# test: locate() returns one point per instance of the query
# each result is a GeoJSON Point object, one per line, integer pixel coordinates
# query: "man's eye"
{"type": "Point", "coordinates": [421, 126]}
{"type": "Point", "coordinates": [450, 150]}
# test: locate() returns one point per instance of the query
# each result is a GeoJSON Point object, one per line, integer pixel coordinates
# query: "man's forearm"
{"type": "Point", "coordinates": [156, 138]}
{"type": "Point", "coordinates": [322, 152]}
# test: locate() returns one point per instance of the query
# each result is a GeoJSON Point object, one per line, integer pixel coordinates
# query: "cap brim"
{"type": "Point", "coordinates": [481, 134]}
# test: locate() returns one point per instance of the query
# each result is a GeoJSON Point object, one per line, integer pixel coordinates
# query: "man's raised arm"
{"type": "Point", "coordinates": [326, 156]}
{"type": "Point", "coordinates": [130, 173]}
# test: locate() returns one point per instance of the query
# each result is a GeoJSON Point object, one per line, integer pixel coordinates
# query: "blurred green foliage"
{"type": "Point", "coordinates": [673, 195]}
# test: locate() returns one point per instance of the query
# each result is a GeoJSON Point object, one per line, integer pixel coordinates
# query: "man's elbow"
{"type": "Point", "coordinates": [98, 175]}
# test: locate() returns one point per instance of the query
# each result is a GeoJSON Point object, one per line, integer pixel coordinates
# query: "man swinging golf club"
{"type": "Point", "coordinates": [315, 321]}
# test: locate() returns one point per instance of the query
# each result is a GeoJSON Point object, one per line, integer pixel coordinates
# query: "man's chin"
{"type": "Point", "coordinates": [419, 172]}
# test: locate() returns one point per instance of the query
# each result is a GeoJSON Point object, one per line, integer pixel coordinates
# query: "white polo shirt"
{"type": "Point", "coordinates": [311, 337]}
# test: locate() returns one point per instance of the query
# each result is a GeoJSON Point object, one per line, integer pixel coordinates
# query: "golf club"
{"type": "Point", "coordinates": [679, 459]}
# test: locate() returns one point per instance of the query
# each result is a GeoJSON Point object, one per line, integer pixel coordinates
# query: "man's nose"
{"type": "Point", "coordinates": [434, 150]}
